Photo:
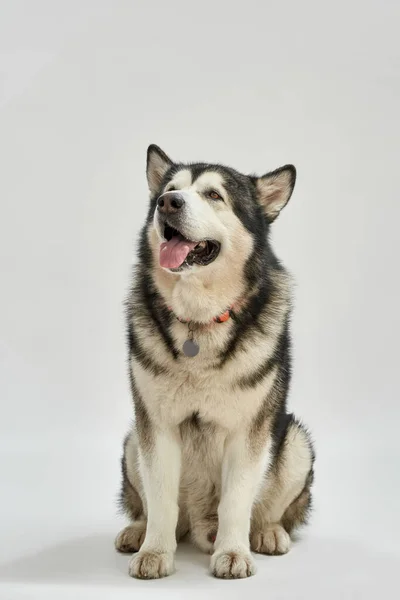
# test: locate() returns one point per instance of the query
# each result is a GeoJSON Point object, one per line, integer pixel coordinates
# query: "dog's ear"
{"type": "Point", "coordinates": [158, 164]}
{"type": "Point", "coordinates": [274, 190]}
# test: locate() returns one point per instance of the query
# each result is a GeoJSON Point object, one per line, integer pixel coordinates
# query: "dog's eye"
{"type": "Point", "coordinates": [214, 195]}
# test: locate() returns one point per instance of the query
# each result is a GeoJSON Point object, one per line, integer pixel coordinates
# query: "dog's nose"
{"type": "Point", "coordinates": [170, 203]}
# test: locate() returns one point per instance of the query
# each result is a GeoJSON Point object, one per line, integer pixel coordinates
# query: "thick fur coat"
{"type": "Point", "coordinates": [213, 451]}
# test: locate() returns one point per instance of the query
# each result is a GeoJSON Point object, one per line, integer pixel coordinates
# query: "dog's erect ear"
{"type": "Point", "coordinates": [274, 190]}
{"type": "Point", "coordinates": [158, 164]}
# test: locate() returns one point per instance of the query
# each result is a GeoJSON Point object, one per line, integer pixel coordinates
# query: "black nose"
{"type": "Point", "coordinates": [170, 203]}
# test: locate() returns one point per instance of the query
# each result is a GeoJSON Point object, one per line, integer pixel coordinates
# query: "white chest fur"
{"type": "Point", "coordinates": [199, 384]}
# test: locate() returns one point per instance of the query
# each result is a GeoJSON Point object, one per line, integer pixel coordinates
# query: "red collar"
{"type": "Point", "coordinates": [225, 316]}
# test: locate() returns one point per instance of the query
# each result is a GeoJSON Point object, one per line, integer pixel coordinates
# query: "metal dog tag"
{"type": "Point", "coordinates": [190, 348]}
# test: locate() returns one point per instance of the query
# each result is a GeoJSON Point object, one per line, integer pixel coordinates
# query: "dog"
{"type": "Point", "coordinates": [213, 451]}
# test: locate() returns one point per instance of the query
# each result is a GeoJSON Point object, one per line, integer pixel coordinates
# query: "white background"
{"type": "Point", "coordinates": [85, 87]}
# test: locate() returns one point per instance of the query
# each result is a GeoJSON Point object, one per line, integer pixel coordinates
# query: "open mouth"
{"type": "Point", "coordinates": [177, 252]}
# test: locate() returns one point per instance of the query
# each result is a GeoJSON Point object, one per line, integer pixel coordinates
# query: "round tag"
{"type": "Point", "coordinates": [190, 348]}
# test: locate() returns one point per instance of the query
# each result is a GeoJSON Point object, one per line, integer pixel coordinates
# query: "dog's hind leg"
{"type": "Point", "coordinates": [131, 537]}
{"type": "Point", "coordinates": [285, 500]}
{"type": "Point", "coordinates": [203, 513]}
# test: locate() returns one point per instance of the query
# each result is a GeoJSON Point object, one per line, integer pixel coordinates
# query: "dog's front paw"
{"type": "Point", "coordinates": [151, 565]}
{"type": "Point", "coordinates": [232, 565]}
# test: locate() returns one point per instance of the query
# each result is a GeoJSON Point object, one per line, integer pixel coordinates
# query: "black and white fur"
{"type": "Point", "coordinates": [213, 451]}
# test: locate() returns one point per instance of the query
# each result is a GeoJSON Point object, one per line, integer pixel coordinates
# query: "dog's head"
{"type": "Point", "coordinates": [206, 217]}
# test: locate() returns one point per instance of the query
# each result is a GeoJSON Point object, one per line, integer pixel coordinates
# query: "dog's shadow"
{"type": "Point", "coordinates": [90, 559]}
{"type": "Point", "coordinates": [329, 568]}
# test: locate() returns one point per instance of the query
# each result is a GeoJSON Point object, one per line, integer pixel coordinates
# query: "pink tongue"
{"type": "Point", "coordinates": [174, 252]}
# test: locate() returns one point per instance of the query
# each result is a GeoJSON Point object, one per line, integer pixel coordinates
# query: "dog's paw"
{"type": "Point", "coordinates": [232, 565]}
{"type": "Point", "coordinates": [204, 534]}
{"type": "Point", "coordinates": [131, 538]}
{"type": "Point", "coordinates": [273, 540]}
{"type": "Point", "coordinates": [151, 565]}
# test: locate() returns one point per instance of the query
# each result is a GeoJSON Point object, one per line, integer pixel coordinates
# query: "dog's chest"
{"type": "Point", "coordinates": [178, 395]}
{"type": "Point", "coordinates": [202, 385]}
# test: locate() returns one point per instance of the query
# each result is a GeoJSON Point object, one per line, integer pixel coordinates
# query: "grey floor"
{"type": "Point", "coordinates": [59, 521]}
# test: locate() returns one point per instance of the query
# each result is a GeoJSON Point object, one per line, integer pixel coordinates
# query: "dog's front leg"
{"type": "Point", "coordinates": [160, 465]}
{"type": "Point", "coordinates": [243, 469]}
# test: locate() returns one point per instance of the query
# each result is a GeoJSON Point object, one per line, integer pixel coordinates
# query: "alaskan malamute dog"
{"type": "Point", "coordinates": [213, 451]}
